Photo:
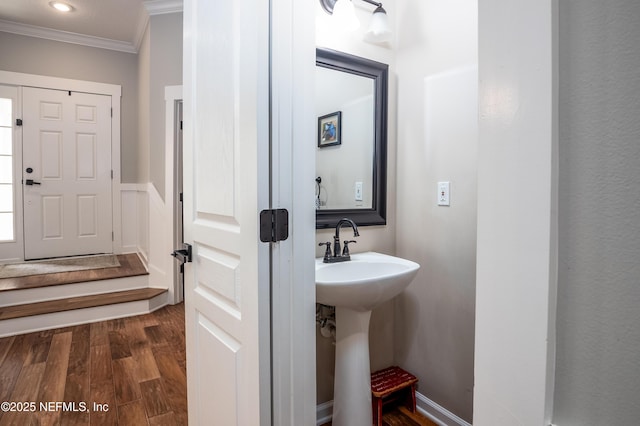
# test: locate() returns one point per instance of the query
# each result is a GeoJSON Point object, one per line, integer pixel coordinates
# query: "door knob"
{"type": "Point", "coordinates": [31, 182]}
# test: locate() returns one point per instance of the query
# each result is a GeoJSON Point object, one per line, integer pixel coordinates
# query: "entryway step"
{"type": "Point", "coordinates": [79, 302]}
{"type": "Point", "coordinates": [130, 266]}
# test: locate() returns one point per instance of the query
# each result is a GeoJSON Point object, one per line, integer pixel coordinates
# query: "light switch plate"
{"type": "Point", "coordinates": [358, 194]}
{"type": "Point", "coordinates": [443, 193]}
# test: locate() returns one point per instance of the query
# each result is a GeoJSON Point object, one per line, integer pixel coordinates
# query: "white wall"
{"type": "Point", "coordinates": [517, 214]}
{"type": "Point", "coordinates": [598, 372]}
{"type": "Point", "coordinates": [437, 141]}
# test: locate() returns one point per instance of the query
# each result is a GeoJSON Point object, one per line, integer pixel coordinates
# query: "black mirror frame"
{"type": "Point", "coordinates": [379, 72]}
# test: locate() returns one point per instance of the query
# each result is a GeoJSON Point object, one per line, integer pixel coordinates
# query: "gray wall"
{"type": "Point", "coordinates": [165, 69]}
{"type": "Point", "coordinates": [598, 322]}
{"type": "Point", "coordinates": [43, 57]}
{"type": "Point", "coordinates": [436, 59]}
{"type": "Point", "coordinates": [144, 108]}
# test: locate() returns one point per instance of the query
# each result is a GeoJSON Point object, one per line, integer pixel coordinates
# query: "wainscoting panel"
{"type": "Point", "coordinates": [147, 228]}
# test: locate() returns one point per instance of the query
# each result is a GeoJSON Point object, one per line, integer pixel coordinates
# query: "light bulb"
{"type": "Point", "coordinates": [379, 31]}
{"type": "Point", "coordinates": [62, 7]}
{"type": "Point", "coordinates": [345, 15]}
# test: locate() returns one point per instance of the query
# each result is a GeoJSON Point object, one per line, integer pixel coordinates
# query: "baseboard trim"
{"type": "Point", "coordinates": [324, 413]}
{"type": "Point", "coordinates": [437, 413]}
{"type": "Point", "coordinates": [426, 407]}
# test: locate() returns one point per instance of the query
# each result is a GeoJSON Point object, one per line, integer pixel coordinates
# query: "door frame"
{"type": "Point", "coordinates": [172, 94]}
{"type": "Point", "coordinates": [293, 294]}
{"type": "Point", "coordinates": [10, 78]}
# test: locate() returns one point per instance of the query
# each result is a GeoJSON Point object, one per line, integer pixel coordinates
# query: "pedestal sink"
{"type": "Point", "coordinates": [355, 288]}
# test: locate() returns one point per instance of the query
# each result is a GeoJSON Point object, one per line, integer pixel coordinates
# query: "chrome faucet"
{"type": "Point", "coordinates": [338, 255]}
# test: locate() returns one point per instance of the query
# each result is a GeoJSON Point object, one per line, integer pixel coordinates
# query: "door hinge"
{"type": "Point", "coordinates": [180, 124]}
{"type": "Point", "coordinates": [112, 112]}
{"type": "Point", "coordinates": [274, 225]}
{"type": "Point", "coordinates": [18, 121]}
{"type": "Point", "coordinates": [111, 174]}
{"type": "Point", "coordinates": [113, 236]}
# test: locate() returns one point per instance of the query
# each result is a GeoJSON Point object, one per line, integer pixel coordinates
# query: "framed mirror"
{"type": "Point", "coordinates": [351, 146]}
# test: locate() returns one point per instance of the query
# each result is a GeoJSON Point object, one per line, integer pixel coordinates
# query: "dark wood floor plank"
{"type": "Point", "coordinates": [103, 395]}
{"type": "Point", "coordinates": [126, 387]}
{"type": "Point", "coordinates": [40, 345]}
{"type": "Point", "coordinates": [25, 390]}
{"type": "Point", "coordinates": [154, 398]}
{"type": "Point", "coordinates": [80, 351]}
{"type": "Point", "coordinates": [101, 365]}
{"type": "Point", "coordinates": [130, 265]}
{"type": "Point", "coordinates": [119, 345]}
{"type": "Point", "coordinates": [11, 366]}
{"type": "Point", "coordinates": [99, 334]}
{"type": "Point", "coordinates": [77, 389]}
{"type": "Point", "coordinates": [117, 324]}
{"type": "Point", "coordinates": [5, 344]}
{"type": "Point", "coordinates": [132, 414]}
{"type": "Point", "coordinates": [167, 419]}
{"type": "Point", "coordinates": [146, 367]}
{"type": "Point", "coordinates": [54, 377]}
{"type": "Point", "coordinates": [174, 381]}
{"type": "Point", "coordinates": [137, 338]}
{"type": "Point", "coordinates": [155, 335]}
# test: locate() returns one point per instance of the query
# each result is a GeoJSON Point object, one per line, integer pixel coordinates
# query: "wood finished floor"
{"type": "Point", "coordinates": [400, 416]}
{"type": "Point", "coordinates": [134, 365]}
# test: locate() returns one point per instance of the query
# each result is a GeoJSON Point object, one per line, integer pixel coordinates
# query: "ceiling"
{"type": "Point", "coordinates": [111, 24]}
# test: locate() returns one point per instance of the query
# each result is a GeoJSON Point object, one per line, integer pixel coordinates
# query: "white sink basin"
{"type": "Point", "coordinates": [355, 287]}
{"type": "Point", "coordinates": [366, 281]}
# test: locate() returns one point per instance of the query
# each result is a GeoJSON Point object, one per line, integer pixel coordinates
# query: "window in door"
{"type": "Point", "coordinates": [7, 206]}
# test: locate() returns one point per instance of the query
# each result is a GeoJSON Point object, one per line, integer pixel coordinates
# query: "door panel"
{"type": "Point", "coordinates": [67, 144]}
{"type": "Point", "coordinates": [226, 184]}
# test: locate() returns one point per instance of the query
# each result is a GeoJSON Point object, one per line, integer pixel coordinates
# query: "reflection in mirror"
{"type": "Point", "coordinates": [344, 162]}
{"type": "Point", "coordinates": [351, 106]}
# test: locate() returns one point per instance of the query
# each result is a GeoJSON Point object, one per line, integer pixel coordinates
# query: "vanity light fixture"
{"type": "Point", "coordinates": [344, 13]}
{"type": "Point", "coordinates": [61, 6]}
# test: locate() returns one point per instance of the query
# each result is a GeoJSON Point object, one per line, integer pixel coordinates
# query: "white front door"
{"type": "Point", "coordinates": [66, 173]}
{"type": "Point", "coordinates": [226, 184]}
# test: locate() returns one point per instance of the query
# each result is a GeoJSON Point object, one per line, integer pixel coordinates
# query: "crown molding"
{"type": "Point", "coordinates": [66, 37]}
{"type": "Point", "coordinates": [151, 8]}
{"type": "Point", "coordinates": [143, 22]}
{"type": "Point", "coordinates": [160, 7]}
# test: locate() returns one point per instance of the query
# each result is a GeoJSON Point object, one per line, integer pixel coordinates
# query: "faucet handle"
{"type": "Point", "coordinates": [345, 250]}
{"type": "Point", "coordinates": [327, 252]}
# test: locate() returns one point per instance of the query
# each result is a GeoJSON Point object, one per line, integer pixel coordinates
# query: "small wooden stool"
{"type": "Point", "coordinates": [389, 384]}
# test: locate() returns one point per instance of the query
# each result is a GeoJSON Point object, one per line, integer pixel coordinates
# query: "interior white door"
{"type": "Point", "coordinates": [66, 173]}
{"type": "Point", "coordinates": [226, 184]}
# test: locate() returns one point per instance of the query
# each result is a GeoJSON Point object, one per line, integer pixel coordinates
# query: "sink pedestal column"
{"type": "Point", "coordinates": [352, 385]}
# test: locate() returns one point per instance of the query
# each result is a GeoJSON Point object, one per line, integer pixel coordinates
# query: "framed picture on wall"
{"type": "Point", "coordinates": [329, 129]}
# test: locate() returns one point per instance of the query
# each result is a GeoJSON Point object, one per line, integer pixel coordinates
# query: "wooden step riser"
{"type": "Point", "coordinates": [31, 295]}
{"type": "Point", "coordinates": [33, 323]}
